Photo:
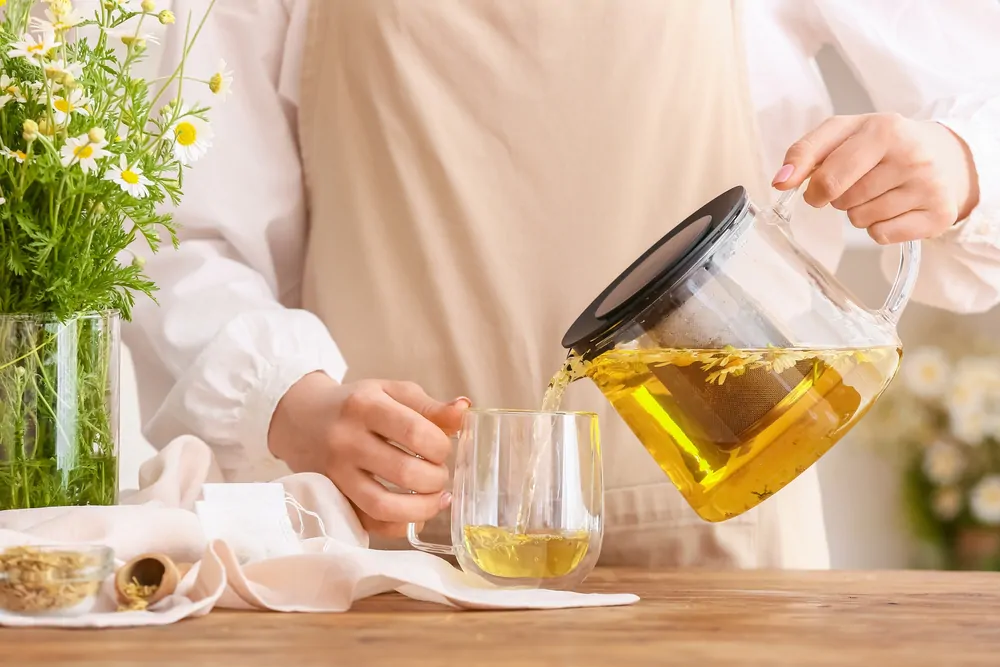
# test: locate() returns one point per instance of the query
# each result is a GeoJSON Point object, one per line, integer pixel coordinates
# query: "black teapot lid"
{"type": "Point", "coordinates": [658, 270]}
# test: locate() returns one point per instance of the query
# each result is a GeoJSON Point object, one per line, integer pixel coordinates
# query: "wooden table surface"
{"type": "Point", "coordinates": [772, 619]}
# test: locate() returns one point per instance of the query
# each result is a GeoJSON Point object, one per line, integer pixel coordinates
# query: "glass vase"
{"type": "Point", "coordinates": [59, 410]}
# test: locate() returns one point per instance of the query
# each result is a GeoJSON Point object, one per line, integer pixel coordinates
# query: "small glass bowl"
{"type": "Point", "coordinates": [53, 581]}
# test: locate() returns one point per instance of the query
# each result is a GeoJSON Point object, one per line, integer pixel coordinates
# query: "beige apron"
{"type": "Point", "coordinates": [479, 170]}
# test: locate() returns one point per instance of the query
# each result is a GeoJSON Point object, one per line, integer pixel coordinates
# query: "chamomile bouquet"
{"type": "Point", "coordinates": [91, 156]}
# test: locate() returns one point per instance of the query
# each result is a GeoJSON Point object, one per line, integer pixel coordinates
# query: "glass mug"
{"type": "Point", "coordinates": [552, 540]}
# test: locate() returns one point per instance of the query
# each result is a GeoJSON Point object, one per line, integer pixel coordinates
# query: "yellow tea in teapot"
{"type": "Point", "coordinates": [730, 427]}
{"type": "Point", "coordinates": [505, 552]}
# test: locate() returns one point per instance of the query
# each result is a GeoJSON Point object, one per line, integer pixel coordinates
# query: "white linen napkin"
{"type": "Point", "coordinates": [328, 574]}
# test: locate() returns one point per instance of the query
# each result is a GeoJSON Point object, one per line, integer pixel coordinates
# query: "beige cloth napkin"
{"type": "Point", "coordinates": [329, 576]}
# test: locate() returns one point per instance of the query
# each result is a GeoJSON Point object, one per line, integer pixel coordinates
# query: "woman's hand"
{"type": "Point", "coordinates": [342, 431]}
{"type": "Point", "coordinates": [899, 179]}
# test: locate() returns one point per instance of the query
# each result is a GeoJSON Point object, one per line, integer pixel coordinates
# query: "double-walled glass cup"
{"type": "Point", "coordinates": [528, 498]}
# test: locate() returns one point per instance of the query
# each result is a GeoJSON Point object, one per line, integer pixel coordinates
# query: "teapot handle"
{"type": "Point", "coordinates": [906, 274]}
{"type": "Point", "coordinates": [903, 283]}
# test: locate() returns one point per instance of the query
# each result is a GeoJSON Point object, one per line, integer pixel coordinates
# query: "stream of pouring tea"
{"type": "Point", "coordinates": [573, 369]}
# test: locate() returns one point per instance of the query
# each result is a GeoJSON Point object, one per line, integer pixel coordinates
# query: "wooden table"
{"type": "Point", "coordinates": [685, 618]}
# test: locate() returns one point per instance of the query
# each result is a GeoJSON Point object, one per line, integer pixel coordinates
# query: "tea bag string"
{"type": "Point", "coordinates": [300, 511]}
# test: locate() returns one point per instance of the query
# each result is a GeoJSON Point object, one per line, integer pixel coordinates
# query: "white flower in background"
{"type": "Point", "coordinates": [969, 427]}
{"type": "Point", "coordinates": [947, 503]}
{"type": "Point", "coordinates": [925, 371]}
{"type": "Point", "coordinates": [19, 156]}
{"type": "Point", "coordinates": [33, 50]}
{"type": "Point", "coordinates": [64, 106]}
{"type": "Point", "coordinates": [192, 138]}
{"type": "Point", "coordinates": [943, 463]}
{"type": "Point", "coordinates": [81, 150]}
{"type": "Point", "coordinates": [984, 501]}
{"type": "Point", "coordinates": [9, 91]}
{"type": "Point", "coordinates": [221, 82]}
{"type": "Point", "coordinates": [129, 179]}
{"type": "Point", "coordinates": [972, 377]}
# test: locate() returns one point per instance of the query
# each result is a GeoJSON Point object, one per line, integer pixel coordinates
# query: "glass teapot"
{"type": "Point", "coordinates": [735, 358]}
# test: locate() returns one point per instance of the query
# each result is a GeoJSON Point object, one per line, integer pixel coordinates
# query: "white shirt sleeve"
{"type": "Point", "coordinates": [226, 340]}
{"type": "Point", "coordinates": [937, 60]}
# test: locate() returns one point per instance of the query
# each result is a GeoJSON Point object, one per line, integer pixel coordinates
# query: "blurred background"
{"type": "Point", "coordinates": [892, 495]}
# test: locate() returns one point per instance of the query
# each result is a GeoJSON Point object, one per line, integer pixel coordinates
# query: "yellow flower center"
{"type": "Point", "coordinates": [35, 48]}
{"type": "Point", "coordinates": [215, 83]}
{"type": "Point", "coordinates": [186, 134]}
{"type": "Point", "coordinates": [83, 152]}
{"type": "Point", "coordinates": [12, 90]}
{"type": "Point", "coordinates": [130, 177]}
{"type": "Point", "coordinates": [62, 104]}
{"type": "Point", "coordinates": [21, 155]}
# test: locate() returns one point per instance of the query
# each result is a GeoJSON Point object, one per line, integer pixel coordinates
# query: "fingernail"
{"type": "Point", "coordinates": [783, 174]}
{"type": "Point", "coordinates": [461, 402]}
{"type": "Point", "coordinates": [445, 500]}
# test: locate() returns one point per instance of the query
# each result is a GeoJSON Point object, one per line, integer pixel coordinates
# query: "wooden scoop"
{"type": "Point", "coordinates": [148, 578]}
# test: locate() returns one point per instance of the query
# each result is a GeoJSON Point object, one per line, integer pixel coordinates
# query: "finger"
{"type": "Point", "coordinates": [803, 156]}
{"type": "Point", "coordinates": [890, 205]}
{"type": "Point", "coordinates": [447, 416]}
{"type": "Point", "coordinates": [876, 182]}
{"type": "Point", "coordinates": [844, 167]}
{"type": "Point", "coordinates": [403, 425]}
{"type": "Point", "coordinates": [397, 467]}
{"type": "Point", "coordinates": [382, 504]}
{"type": "Point", "coordinates": [909, 226]}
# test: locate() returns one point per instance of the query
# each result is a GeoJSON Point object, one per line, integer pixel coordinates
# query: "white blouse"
{"type": "Point", "coordinates": [227, 339]}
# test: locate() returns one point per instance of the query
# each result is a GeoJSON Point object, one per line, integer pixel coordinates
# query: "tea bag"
{"type": "Point", "coordinates": [251, 518]}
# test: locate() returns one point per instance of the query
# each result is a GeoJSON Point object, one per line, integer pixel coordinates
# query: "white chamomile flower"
{"type": "Point", "coordinates": [130, 38]}
{"type": "Point", "coordinates": [129, 179]}
{"type": "Point", "coordinates": [943, 463]}
{"type": "Point", "coordinates": [221, 82]}
{"type": "Point", "coordinates": [192, 138]}
{"type": "Point", "coordinates": [9, 91]}
{"type": "Point", "coordinates": [984, 501]}
{"type": "Point", "coordinates": [925, 371]}
{"type": "Point", "coordinates": [58, 68]}
{"type": "Point", "coordinates": [64, 106]}
{"type": "Point", "coordinates": [3, 200]}
{"type": "Point", "coordinates": [33, 50]}
{"type": "Point", "coordinates": [947, 503]}
{"type": "Point", "coordinates": [59, 20]}
{"type": "Point", "coordinates": [81, 150]}
{"type": "Point", "coordinates": [18, 156]}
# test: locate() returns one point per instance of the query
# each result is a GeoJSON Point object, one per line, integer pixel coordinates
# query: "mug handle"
{"type": "Point", "coordinates": [906, 275]}
{"type": "Point", "coordinates": [429, 547]}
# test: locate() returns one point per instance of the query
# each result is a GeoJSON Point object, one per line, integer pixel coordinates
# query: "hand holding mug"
{"type": "Point", "coordinates": [346, 433]}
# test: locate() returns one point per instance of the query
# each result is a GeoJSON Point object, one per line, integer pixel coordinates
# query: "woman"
{"type": "Point", "coordinates": [410, 200]}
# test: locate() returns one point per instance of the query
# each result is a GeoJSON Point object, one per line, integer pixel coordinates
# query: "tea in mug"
{"type": "Point", "coordinates": [505, 552]}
